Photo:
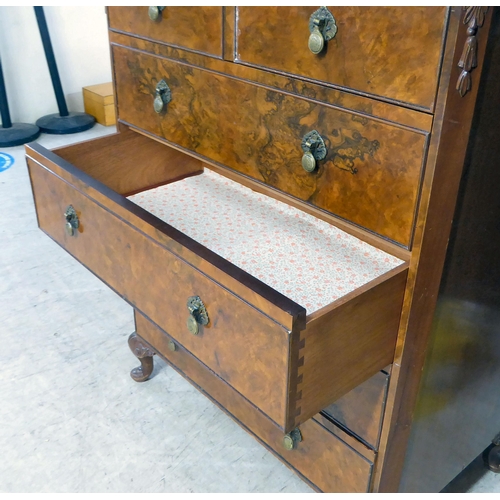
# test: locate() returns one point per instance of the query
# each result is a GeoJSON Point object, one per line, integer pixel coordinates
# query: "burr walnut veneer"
{"type": "Point", "coordinates": [343, 126]}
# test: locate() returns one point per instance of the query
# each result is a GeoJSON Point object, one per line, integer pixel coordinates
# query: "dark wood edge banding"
{"type": "Point", "coordinates": [298, 314]}
{"type": "Point", "coordinates": [121, 219]}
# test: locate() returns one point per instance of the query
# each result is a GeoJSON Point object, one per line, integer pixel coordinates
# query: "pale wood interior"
{"type": "Point", "coordinates": [128, 162]}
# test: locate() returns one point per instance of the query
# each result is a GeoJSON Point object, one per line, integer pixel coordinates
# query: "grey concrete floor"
{"type": "Point", "coordinates": [71, 418]}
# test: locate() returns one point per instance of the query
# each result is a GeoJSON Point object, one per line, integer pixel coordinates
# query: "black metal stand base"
{"type": "Point", "coordinates": [17, 134]}
{"type": "Point", "coordinates": [57, 124]}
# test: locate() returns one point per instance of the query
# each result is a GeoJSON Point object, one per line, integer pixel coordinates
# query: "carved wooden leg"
{"type": "Point", "coordinates": [145, 354]}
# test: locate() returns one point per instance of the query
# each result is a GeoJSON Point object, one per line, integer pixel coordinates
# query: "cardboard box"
{"type": "Point", "coordinates": [99, 101]}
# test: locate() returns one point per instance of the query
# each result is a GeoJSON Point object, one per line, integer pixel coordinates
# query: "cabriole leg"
{"type": "Point", "coordinates": [145, 354]}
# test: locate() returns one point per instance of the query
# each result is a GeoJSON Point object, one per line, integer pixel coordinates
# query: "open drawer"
{"type": "Point", "coordinates": [287, 361]}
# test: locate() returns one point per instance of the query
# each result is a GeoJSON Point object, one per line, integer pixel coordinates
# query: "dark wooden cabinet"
{"type": "Point", "coordinates": [295, 205]}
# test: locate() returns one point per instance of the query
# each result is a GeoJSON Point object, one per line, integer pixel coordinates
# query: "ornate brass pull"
{"type": "Point", "coordinates": [323, 28]}
{"type": "Point", "coordinates": [72, 222]}
{"type": "Point", "coordinates": [197, 314]}
{"type": "Point", "coordinates": [163, 96]}
{"type": "Point", "coordinates": [155, 13]}
{"type": "Point", "coordinates": [314, 150]}
{"type": "Point", "coordinates": [291, 439]}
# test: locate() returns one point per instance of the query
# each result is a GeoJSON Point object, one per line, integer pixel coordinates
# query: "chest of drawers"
{"type": "Point", "coordinates": [269, 209]}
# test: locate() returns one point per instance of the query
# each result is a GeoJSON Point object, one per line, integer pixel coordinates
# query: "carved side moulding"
{"type": "Point", "coordinates": [474, 19]}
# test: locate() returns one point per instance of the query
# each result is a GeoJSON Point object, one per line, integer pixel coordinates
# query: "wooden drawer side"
{"type": "Point", "coordinates": [349, 344]}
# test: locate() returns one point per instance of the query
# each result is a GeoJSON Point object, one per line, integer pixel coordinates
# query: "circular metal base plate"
{"type": "Point", "coordinates": [71, 124]}
{"type": "Point", "coordinates": [19, 133]}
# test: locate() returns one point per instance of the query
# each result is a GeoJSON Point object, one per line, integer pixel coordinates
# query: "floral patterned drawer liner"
{"type": "Point", "coordinates": [308, 260]}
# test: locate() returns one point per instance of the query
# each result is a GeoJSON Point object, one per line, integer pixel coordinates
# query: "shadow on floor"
{"type": "Point", "coordinates": [465, 481]}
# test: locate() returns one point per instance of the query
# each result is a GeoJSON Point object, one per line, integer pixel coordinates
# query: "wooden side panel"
{"type": "Point", "coordinates": [128, 162]}
{"type": "Point", "coordinates": [371, 174]}
{"type": "Point", "coordinates": [393, 52]}
{"type": "Point", "coordinates": [249, 350]}
{"type": "Point", "coordinates": [321, 458]}
{"type": "Point", "coordinates": [361, 410]}
{"type": "Point", "coordinates": [350, 344]}
{"type": "Point", "coordinates": [447, 153]}
{"type": "Point", "coordinates": [461, 375]}
{"type": "Point", "coordinates": [195, 28]}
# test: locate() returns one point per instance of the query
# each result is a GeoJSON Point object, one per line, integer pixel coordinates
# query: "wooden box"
{"type": "Point", "coordinates": [99, 101]}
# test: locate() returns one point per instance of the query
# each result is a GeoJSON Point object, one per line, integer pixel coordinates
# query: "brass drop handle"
{"type": "Point", "coordinates": [163, 96]}
{"type": "Point", "coordinates": [197, 314]}
{"type": "Point", "coordinates": [314, 150]}
{"type": "Point", "coordinates": [155, 13]}
{"type": "Point", "coordinates": [323, 28]}
{"type": "Point", "coordinates": [72, 222]}
{"type": "Point", "coordinates": [291, 439]}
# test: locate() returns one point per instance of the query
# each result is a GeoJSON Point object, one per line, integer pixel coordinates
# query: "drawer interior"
{"type": "Point", "coordinates": [306, 259]}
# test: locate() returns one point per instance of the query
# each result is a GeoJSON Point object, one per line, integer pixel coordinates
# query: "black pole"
{"type": "Point", "coordinates": [64, 122]}
{"type": "Point", "coordinates": [4, 105]}
{"type": "Point", "coordinates": [13, 134]}
{"type": "Point", "coordinates": [51, 61]}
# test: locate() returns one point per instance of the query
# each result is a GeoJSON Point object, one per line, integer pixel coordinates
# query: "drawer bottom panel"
{"type": "Point", "coordinates": [321, 459]}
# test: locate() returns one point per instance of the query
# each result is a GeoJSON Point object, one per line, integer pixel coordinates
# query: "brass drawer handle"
{"type": "Point", "coordinates": [291, 439]}
{"type": "Point", "coordinates": [197, 314]}
{"type": "Point", "coordinates": [314, 150]}
{"type": "Point", "coordinates": [72, 222]}
{"type": "Point", "coordinates": [155, 12]}
{"type": "Point", "coordinates": [163, 96]}
{"type": "Point", "coordinates": [323, 28]}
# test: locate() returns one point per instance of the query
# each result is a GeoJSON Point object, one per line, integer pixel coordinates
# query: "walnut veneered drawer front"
{"type": "Point", "coordinates": [194, 28]}
{"type": "Point", "coordinates": [370, 172]}
{"type": "Point", "coordinates": [392, 52]}
{"type": "Point", "coordinates": [256, 339]}
{"type": "Point", "coordinates": [323, 458]}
